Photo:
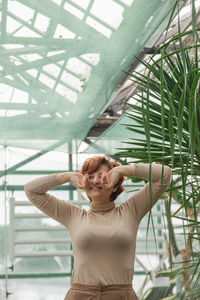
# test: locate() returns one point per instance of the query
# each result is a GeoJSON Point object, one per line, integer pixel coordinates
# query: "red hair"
{"type": "Point", "coordinates": [91, 165]}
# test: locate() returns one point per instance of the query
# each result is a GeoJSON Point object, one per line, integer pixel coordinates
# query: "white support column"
{"type": "Point", "coordinates": [11, 229]}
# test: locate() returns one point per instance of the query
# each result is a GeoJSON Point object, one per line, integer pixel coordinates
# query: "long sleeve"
{"type": "Point", "coordinates": [140, 202]}
{"type": "Point", "coordinates": [55, 208]}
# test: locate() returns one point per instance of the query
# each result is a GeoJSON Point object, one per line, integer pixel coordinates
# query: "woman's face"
{"type": "Point", "coordinates": [95, 189]}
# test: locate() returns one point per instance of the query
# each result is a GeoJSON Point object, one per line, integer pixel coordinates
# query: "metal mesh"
{"type": "Point", "coordinates": [61, 62]}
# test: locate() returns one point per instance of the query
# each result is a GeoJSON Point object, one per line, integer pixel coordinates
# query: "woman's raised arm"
{"type": "Point", "coordinates": [140, 201]}
{"type": "Point", "coordinates": [60, 210]}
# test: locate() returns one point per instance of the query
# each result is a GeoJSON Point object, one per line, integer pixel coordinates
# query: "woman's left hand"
{"type": "Point", "coordinates": [111, 178]}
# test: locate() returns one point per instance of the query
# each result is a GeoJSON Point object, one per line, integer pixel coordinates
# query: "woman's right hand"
{"type": "Point", "coordinates": [78, 180]}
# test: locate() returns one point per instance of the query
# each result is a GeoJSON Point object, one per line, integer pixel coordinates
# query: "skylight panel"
{"type": "Point", "coordinates": [98, 27]}
{"type": "Point", "coordinates": [74, 11]}
{"type": "Point", "coordinates": [11, 25]}
{"type": "Point", "coordinates": [127, 2]}
{"type": "Point", "coordinates": [19, 96]}
{"type": "Point", "coordinates": [32, 72]}
{"type": "Point", "coordinates": [52, 69]}
{"type": "Point", "coordinates": [92, 58]}
{"type": "Point", "coordinates": [9, 77]}
{"type": "Point", "coordinates": [5, 92]}
{"type": "Point", "coordinates": [47, 80]}
{"type": "Point", "coordinates": [111, 12]}
{"type": "Point", "coordinates": [12, 46]}
{"type": "Point", "coordinates": [20, 10]}
{"type": "Point", "coordinates": [30, 57]}
{"type": "Point", "coordinates": [72, 81]}
{"type": "Point", "coordinates": [63, 32]}
{"type": "Point", "coordinates": [12, 113]}
{"type": "Point", "coordinates": [45, 116]}
{"type": "Point", "coordinates": [58, 115]}
{"type": "Point", "coordinates": [80, 68]}
{"type": "Point", "coordinates": [58, 2]}
{"type": "Point", "coordinates": [15, 60]}
{"type": "Point", "coordinates": [67, 93]}
{"type": "Point", "coordinates": [41, 22]}
{"type": "Point", "coordinates": [26, 32]}
{"type": "Point", "coordinates": [50, 53]}
{"type": "Point", "coordinates": [33, 101]}
{"type": "Point", "coordinates": [82, 3]}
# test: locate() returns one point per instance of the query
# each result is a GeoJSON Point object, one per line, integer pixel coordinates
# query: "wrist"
{"type": "Point", "coordinates": [119, 170]}
{"type": "Point", "coordinates": [72, 175]}
{"type": "Point", "coordinates": [64, 177]}
{"type": "Point", "coordinates": [127, 170]}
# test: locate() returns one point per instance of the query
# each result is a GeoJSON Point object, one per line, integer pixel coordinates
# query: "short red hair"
{"type": "Point", "coordinates": [91, 165]}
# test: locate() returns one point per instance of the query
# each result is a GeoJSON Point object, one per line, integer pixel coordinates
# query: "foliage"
{"type": "Point", "coordinates": [166, 114]}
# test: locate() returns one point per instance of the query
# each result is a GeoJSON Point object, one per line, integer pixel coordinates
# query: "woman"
{"type": "Point", "coordinates": [104, 237]}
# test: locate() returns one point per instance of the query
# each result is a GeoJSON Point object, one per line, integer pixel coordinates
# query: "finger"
{"type": "Point", "coordinates": [103, 178]}
{"type": "Point", "coordinates": [80, 186]}
{"type": "Point", "coordinates": [110, 182]}
{"type": "Point", "coordinates": [106, 185]}
{"type": "Point", "coordinates": [80, 183]}
{"type": "Point", "coordinates": [77, 183]}
{"type": "Point", "coordinates": [86, 180]}
{"type": "Point", "coordinates": [83, 183]}
{"type": "Point", "coordinates": [107, 177]}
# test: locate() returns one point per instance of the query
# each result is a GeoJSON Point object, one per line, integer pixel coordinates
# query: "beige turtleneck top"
{"type": "Point", "coordinates": [103, 238]}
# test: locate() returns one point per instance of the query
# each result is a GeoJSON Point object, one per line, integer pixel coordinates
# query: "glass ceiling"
{"type": "Point", "coordinates": [61, 63]}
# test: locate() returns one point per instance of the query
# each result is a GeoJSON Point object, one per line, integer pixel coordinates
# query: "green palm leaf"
{"type": "Point", "coordinates": [166, 116]}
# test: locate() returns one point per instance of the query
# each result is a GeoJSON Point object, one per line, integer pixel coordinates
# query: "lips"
{"type": "Point", "coordinates": [96, 188]}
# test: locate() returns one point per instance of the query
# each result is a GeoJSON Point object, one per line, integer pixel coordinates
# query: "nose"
{"type": "Point", "coordinates": [96, 179]}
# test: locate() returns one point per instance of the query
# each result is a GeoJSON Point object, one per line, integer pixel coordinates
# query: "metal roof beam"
{"type": "Point", "coordinates": [34, 108]}
{"type": "Point", "coordinates": [28, 50]}
{"type": "Point", "coordinates": [184, 24]}
{"type": "Point", "coordinates": [54, 42]}
{"type": "Point", "coordinates": [4, 18]}
{"type": "Point", "coordinates": [38, 172]}
{"type": "Point", "coordinates": [31, 158]}
{"type": "Point", "coordinates": [38, 95]}
{"type": "Point", "coordinates": [10, 69]}
{"type": "Point", "coordinates": [26, 24]}
{"type": "Point", "coordinates": [58, 14]}
{"type": "Point", "coordinates": [123, 95]}
{"type": "Point", "coordinates": [100, 126]}
{"type": "Point", "coordinates": [21, 187]}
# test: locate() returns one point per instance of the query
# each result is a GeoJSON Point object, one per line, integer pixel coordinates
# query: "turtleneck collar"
{"type": "Point", "coordinates": [102, 207]}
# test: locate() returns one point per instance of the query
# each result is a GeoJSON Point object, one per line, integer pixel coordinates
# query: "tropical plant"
{"type": "Point", "coordinates": [166, 114]}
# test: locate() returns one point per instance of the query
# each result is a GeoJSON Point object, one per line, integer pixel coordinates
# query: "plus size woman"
{"type": "Point", "coordinates": [104, 237]}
